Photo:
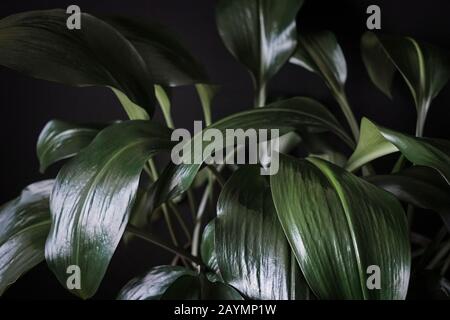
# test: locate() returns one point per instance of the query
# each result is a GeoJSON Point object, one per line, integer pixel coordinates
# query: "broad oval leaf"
{"type": "Point", "coordinates": [199, 288]}
{"type": "Point", "coordinates": [338, 225]}
{"type": "Point", "coordinates": [420, 186]}
{"type": "Point", "coordinates": [288, 115]}
{"type": "Point", "coordinates": [376, 141]}
{"type": "Point", "coordinates": [320, 52]}
{"type": "Point", "coordinates": [153, 284]}
{"type": "Point", "coordinates": [24, 226]}
{"type": "Point", "coordinates": [61, 140]}
{"type": "Point", "coordinates": [261, 34]}
{"type": "Point", "coordinates": [93, 196]}
{"type": "Point", "coordinates": [208, 247]}
{"type": "Point", "coordinates": [253, 253]}
{"type": "Point", "coordinates": [425, 68]}
{"type": "Point", "coordinates": [39, 44]}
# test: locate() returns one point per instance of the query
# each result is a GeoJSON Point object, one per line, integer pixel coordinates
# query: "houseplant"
{"type": "Point", "coordinates": [321, 222]}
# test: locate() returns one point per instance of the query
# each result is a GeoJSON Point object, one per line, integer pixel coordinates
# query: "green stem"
{"type": "Point", "coordinates": [180, 220]}
{"type": "Point", "coordinates": [342, 100]}
{"type": "Point", "coordinates": [199, 218]}
{"type": "Point", "coordinates": [155, 240]}
{"type": "Point", "coordinates": [438, 257]}
{"type": "Point", "coordinates": [261, 95]}
{"type": "Point", "coordinates": [216, 175]}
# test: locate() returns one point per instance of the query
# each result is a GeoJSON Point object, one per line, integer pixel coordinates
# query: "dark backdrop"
{"type": "Point", "coordinates": [27, 104]}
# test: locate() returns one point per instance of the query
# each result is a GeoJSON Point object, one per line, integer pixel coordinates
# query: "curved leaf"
{"type": "Point", "coordinates": [424, 68]}
{"type": "Point", "coordinates": [288, 115]}
{"type": "Point", "coordinates": [321, 53]}
{"type": "Point", "coordinates": [39, 44]}
{"type": "Point", "coordinates": [92, 198]}
{"type": "Point", "coordinates": [24, 225]}
{"type": "Point", "coordinates": [338, 225]}
{"type": "Point", "coordinates": [376, 141]}
{"type": "Point", "coordinates": [61, 140]}
{"type": "Point", "coordinates": [167, 60]}
{"type": "Point", "coordinates": [252, 251]}
{"type": "Point", "coordinates": [199, 288]}
{"type": "Point", "coordinates": [420, 186]}
{"type": "Point", "coordinates": [208, 247]}
{"type": "Point", "coordinates": [261, 34]}
{"type": "Point", "coordinates": [152, 285]}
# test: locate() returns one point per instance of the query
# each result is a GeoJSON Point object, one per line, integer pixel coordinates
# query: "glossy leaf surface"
{"type": "Point", "coordinates": [288, 115]}
{"type": "Point", "coordinates": [61, 140]}
{"type": "Point", "coordinates": [24, 226]}
{"type": "Point", "coordinates": [376, 141]}
{"type": "Point", "coordinates": [39, 44]}
{"type": "Point", "coordinates": [339, 225]}
{"type": "Point", "coordinates": [253, 253]}
{"type": "Point", "coordinates": [93, 196]}
{"type": "Point", "coordinates": [420, 186]}
{"type": "Point", "coordinates": [153, 284]}
{"type": "Point", "coordinates": [425, 68]}
{"type": "Point", "coordinates": [261, 34]}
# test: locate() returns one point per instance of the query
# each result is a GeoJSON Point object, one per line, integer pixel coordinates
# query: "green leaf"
{"type": "Point", "coordinates": [338, 225]}
{"type": "Point", "coordinates": [199, 288]}
{"type": "Point", "coordinates": [206, 94]}
{"type": "Point", "coordinates": [153, 284]}
{"type": "Point", "coordinates": [252, 251]}
{"type": "Point", "coordinates": [167, 59]}
{"type": "Point", "coordinates": [24, 226]}
{"type": "Point", "coordinates": [61, 140]}
{"type": "Point", "coordinates": [320, 52]}
{"type": "Point", "coordinates": [288, 115]}
{"type": "Point", "coordinates": [420, 186]}
{"type": "Point", "coordinates": [93, 196]}
{"type": "Point", "coordinates": [424, 68]}
{"type": "Point", "coordinates": [39, 44]}
{"type": "Point", "coordinates": [261, 34]}
{"type": "Point", "coordinates": [208, 247]}
{"type": "Point", "coordinates": [376, 141]}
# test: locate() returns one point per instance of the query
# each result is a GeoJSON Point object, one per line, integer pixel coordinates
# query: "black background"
{"type": "Point", "coordinates": [27, 104]}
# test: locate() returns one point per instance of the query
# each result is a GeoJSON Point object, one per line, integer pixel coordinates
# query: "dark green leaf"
{"type": "Point", "coordinates": [253, 253]}
{"type": "Point", "coordinates": [199, 288]}
{"type": "Point", "coordinates": [424, 68]}
{"type": "Point", "coordinates": [376, 141]}
{"type": "Point", "coordinates": [288, 115]}
{"type": "Point", "coordinates": [420, 186]}
{"type": "Point", "coordinates": [261, 34]}
{"type": "Point", "coordinates": [61, 140]}
{"type": "Point", "coordinates": [152, 285]}
{"type": "Point", "coordinates": [24, 226]}
{"type": "Point", "coordinates": [338, 225]}
{"type": "Point", "coordinates": [208, 248]}
{"type": "Point", "coordinates": [167, 60]}
{"type": "Point", "coordinates": [93, 196]}
{"type": "Point", "coordinates": [320, 53]}
{"type": "Point", "coordinates": [39, 44]}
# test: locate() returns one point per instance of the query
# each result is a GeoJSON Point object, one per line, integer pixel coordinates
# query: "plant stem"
{"type": "Point", "coordinates": [441, 254]}
{"type": "Point", "coordinates": [342, 100]}
{"type": "Point", "coordinates": [155, 240]}
{"type": "Point", "coordinates": [198, 219]}
{"type": "Point", "coordinates": [261, 95]}
{"type": "Point", "coordinates": [217, 175]}
{"type": "Point", "coordinates": [180, 220]}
